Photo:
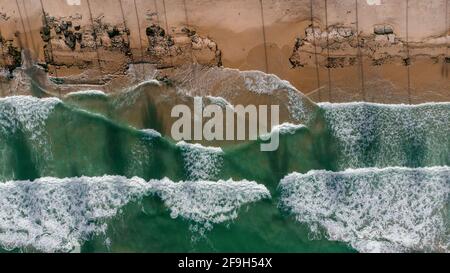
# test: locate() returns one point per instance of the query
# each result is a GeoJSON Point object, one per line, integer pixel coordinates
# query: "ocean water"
{"type": "Point", "coordinates": [393, 209]}
{"type": "Point", "coordinates": [377, 135]}
{"type": "Point", "coordinates": [92, 172]}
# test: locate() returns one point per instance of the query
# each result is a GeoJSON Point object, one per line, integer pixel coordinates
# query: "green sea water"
{"type": "Point", "coordinates": [97, 173]}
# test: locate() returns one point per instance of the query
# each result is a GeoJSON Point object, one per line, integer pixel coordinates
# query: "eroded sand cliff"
{"type": "Point", "coordinates": [374, 50]}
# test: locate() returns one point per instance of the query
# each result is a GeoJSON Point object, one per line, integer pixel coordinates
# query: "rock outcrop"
{"type": "Point", "coordinates": [185, 46]}
{"type": "Point", "coordinates": [68, 43]}
{"type": "Point", "coordinates": [11, 57]}
{"type": "Point", "coordinates": [339, 46]}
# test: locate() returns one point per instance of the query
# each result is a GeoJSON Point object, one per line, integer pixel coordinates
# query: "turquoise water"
{"type": "Point", "coordinates": [96, 173]}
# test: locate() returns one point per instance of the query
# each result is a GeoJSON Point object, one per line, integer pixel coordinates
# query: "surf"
{"type": "Point", "coordinates": [80, 171]}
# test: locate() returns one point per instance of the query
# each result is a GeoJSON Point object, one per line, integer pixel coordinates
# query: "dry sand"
{"type": "Point", "coordinates": [249, 35]}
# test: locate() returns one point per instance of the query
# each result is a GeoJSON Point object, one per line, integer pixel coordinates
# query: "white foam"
{"type": "Point", "coordinates": [262, 83]}
{"type": "Point", "coordinates": [373, 2]}
{"type": "Point", "coordinates": [141, 72]}
{"type": "Point", "coordinates": [230, 83]}
{"type": "Point", "coordinates": [329, 105]}
{"type": "Point", "coordinates": [87, 93]}
{"type": "Point", "coordinates": [296, 106]}
{"type": "Point", "coordinates": [130, 96]}
{"type": "Point", "coordinates": [150, 81]}
{"type": "Point", "coordinates": [142, 153]}
{"type": "Point", "coordinates": [380, 135]}
{"type": "Point", "coordinates": [151, 132]}
{"type": "Point", "coordinates": [287, 128]}
{"type": "Point", "coordinates": [374, 210]}
{"type": "Point", "coordinates": [201, 162]}
{"type": "Point", "coordinates": [142, 156]}
{"type": "Point", "coordinates": [52, 215]}
{"type": "Point", "coordinates": [28, 114]}
{"type": "Point", "coordinates": [283, 129]}
{"type": "Point", "coordinates": [73, 2]}
{"type": "Point", "coordinates": [220, 101]}
{"type": "Point", "coordinates": [207, 203]}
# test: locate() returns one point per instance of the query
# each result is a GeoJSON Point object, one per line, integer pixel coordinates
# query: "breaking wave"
{"type": "Point", "coordinates": [374, 210]}
{"type": "Point", "coordinates": [58, 215]}
{"type": "Point", "coordinates": [201, 162]}
{"type": "Point", "coordinates": [92, 93]}
{"type": "Point", "coordinates": [52, 214]}
{"type": "Point", "coordinates": [207, 203]}
{"type": "Point", "coordinates": [381, 135]}
{"type": "Point", "coordinates": [23, 119]}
